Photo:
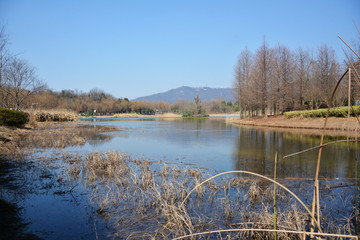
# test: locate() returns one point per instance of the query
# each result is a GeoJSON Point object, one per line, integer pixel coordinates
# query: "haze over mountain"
{"type": "Point", "coordinates": [188, 94]}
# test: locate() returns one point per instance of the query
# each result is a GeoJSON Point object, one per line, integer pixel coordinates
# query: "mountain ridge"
{"type": "Point", "coordinates": [187, 93]}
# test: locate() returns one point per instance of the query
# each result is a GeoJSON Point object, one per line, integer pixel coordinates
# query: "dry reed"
{"type": "Point", "coordinates": [142, 200]}
{"type": "Point", "coordinates": [52, 115]}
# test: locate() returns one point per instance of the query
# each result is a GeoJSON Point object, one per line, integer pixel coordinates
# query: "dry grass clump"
{"type": "Point", "coordinates": [53, 115]}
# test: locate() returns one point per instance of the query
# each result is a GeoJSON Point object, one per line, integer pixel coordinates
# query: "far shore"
{"type": "Point", "coordinates": [334, 126]}
{"type": "Point", "coordinates": [164, 115]}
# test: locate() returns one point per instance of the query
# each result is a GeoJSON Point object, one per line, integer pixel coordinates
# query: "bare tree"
{"type": "Point", "coordinates": [97, 94]}
{"type": "Point", "coordinates": [20, 82]}
{"type": "Point", "coordinates": [281, 89]}
{"type": "Point", "coordinates": [326, 73]}
{"type": "Point", "coordinates": [242, 80]}
{"type": "Point", "coordinates": [262, 76]}
{"type": "Point", "coordinates": [302, 75]}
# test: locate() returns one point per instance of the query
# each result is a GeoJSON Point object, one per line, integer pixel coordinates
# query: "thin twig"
{"type": "Point", "coordinates": [352, 65]}
{"type": "Point", "coordinates": [73, 187]}
{"type": "Point", "coordinates": [356, 27]}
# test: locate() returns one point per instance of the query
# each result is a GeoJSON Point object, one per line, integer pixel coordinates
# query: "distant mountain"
{"type": "Point", "coordinates": [188, 94]}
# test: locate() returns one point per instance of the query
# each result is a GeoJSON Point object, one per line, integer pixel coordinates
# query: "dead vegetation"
{"type": "Point", "coordinates": [142, 200]}
{"type": "Point", "coordinates": [9, 140]}
{"type": "Point", "coordinates": [52, 115]}
{"type": "Point", "coordinates": [49, 135]}
{"type": "Point", "coordinates": [62, 135]}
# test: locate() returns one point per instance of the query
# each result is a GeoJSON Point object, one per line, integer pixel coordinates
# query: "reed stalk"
{"type": "Point", "coordinates": [356, 193]}
{"type": "Point", "coordinates": [275, 233]}
{"type": "Point", "coordinates": [316, 186]}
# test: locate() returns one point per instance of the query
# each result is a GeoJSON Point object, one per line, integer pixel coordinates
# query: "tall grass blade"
{"type": "Point", "coordinates": [275, 196]}
{"type": "Point", "coordinates": [356, 193]}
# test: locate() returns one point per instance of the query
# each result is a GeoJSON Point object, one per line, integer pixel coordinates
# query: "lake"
{"type": "Point", "coordinates": [58, 198]}
{"type": "Point", "coordinates": [215, 145]}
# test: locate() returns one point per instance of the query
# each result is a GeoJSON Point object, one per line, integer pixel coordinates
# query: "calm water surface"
{"type": "Point", "coordinates": [215, 145]}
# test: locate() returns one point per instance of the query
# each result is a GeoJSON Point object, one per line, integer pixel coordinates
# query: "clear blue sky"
{"type": "Point", "coordinates": [136, 48]}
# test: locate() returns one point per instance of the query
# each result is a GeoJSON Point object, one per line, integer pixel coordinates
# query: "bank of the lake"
{"type": "Point", "coordinates": [158, 115]}
{"type": "Point", "coordinates": [334, 126]}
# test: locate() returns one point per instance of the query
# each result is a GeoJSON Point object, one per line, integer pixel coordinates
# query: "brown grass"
{"type": "Point", "coordinates": [10, 139]}
{"type": "Point", "coordinates": [61, 135]}
{"type": "Point", "coordinates": [55, 115]}
{"type": "Point", "coordinates": [136, 194]}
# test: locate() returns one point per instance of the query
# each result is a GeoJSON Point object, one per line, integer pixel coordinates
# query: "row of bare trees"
{"type": "Point", "coordinates": [276, 79]}
{"type": "Point", "coordinates": [18, 79]}
{"type": "Point", "coordinates": [96, 101]}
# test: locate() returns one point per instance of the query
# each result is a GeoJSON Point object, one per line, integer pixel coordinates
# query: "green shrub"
{"type": "Point", "coordinates": [13, 118]}
{"type": "Point", "coordinates": [147, 111]}
{"type": "Point", "coordinates": [321, 113]}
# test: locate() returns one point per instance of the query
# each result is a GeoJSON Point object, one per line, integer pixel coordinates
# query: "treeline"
{"type": "Point", "coordinates": [276, 79]}
{"type": "Point", "coordinates": [97, 102]}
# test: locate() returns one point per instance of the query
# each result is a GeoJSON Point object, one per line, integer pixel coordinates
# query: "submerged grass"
{"type": "Point", "coordinates": [63, 135]}
{"type": "Point", "coordinates": [145, 200]}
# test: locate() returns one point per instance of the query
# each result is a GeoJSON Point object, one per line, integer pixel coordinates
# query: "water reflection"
{"type": "Point", "coordinates": [213, 144]}
{"type": "Point", "coordinates": [255, 149]}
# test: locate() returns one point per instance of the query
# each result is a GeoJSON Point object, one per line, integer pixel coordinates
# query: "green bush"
{"type": "Point", "coordinates": [147, 111]}
{"type": "Point", "coordinates": [13, 118]}
{"type": "Point", "coordinates": [321, 113]}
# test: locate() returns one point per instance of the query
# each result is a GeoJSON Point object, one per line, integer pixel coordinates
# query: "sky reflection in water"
{"type": "Point", "coordinates": [213, 144]}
